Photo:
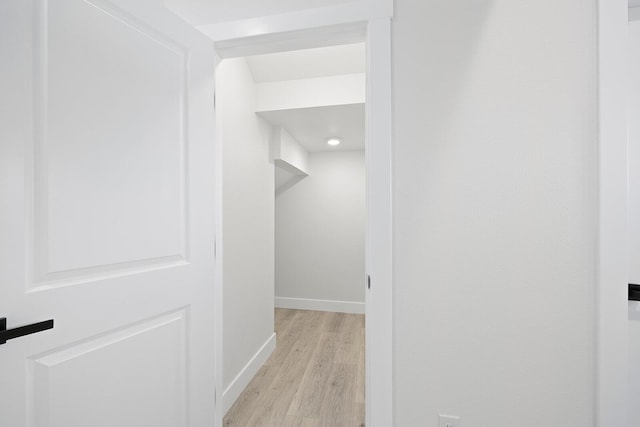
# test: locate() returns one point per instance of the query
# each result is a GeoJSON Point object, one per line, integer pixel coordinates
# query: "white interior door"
{"type": "Point", "coordinates": [106, 215]}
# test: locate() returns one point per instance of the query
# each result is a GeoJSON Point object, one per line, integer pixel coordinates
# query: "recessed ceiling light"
{"type": "Point", "coordinates": [334, 141]}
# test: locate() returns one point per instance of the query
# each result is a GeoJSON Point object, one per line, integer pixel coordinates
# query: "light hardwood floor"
{"type": "Point", "coordinates": [314, 378]}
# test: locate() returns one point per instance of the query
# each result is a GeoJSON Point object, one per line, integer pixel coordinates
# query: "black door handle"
{"type": "Point", "coordinates": [9, 334]}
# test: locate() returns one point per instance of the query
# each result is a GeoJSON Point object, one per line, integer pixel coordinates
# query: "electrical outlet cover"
{"type": "Point", "coordinates": [449, 421]}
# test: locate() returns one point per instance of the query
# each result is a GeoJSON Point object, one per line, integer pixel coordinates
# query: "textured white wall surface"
{"type": "Point", "coordinates": [494, 211]}
{"type": "Point", "coordinates": [495, 143]}
{"type": "Point", "coordinates": [248, 222]}
{"type": "Point", "coordinates": [320, 226]}
{"type": "Point", "coordinates": [214, 11]}
{"type": "Point", "coordinates": [287, 152]}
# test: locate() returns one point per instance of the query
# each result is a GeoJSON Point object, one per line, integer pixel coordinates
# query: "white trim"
{"type": "Point", "coordinates": [612, 251]}
{"type": "Point", "coordinates": [247, 373]}
{"type": "Point", "coordinates": [320, 305]}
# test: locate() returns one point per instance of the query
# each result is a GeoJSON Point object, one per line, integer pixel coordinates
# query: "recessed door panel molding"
{"type": "Point", "coordinates": [135, 376]}
{"type": "Point", "coordinates": [90, 223]}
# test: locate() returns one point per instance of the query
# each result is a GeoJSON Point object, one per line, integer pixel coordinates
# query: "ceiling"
{"type": "Point", "coordinates": [634, 3]}
{"type": "Point", "coordinates": [308, 63]}
{"type": "Point", "coordinates": [201, 12]}
{"type": "Point", "coordinates": [312, 126]}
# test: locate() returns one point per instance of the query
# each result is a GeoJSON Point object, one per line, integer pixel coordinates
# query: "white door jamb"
{"type": "Point", "coordinates": [312, 29]}
{"type": "Point", "coordinates": [612, 234]}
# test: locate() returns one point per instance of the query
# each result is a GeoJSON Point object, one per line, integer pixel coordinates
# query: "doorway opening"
{"type": "Point", "coordinates": [320, 30]}
{"type": "Point", "coordinates": [292, 132]}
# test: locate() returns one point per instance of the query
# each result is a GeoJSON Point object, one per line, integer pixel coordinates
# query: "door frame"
{"type": "Point", "coordinates": [612, 364]}
{"type": "Point", "coordinates": [338, 25]}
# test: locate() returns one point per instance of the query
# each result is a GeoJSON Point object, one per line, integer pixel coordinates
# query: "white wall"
{"type": "Point", "coordinates": [634, 219]}
{"type": "Point", "coordinates": [344, 89]}
{"type": "Point", "coordinates": [320, 223]}
{"type": "Point", "coordinates": [494, 212]}
{"type": "Point", "coordinates": [287, 153]}
{"type": "Point", "coordinates": [248, 221]}
{"type": "Point", "coordinates": [210, 11]}
{"type": "Point", "coordinates": [495, 209]}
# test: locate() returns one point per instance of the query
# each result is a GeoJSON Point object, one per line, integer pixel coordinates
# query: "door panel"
{"type": "Point", "coordinates": [107, 215]}
{"type": "Point", "coordinates": [147, 358]}
{"type": "Point", "coordinates": [137, 215]}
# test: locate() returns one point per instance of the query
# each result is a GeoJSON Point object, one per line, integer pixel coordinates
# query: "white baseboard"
{"type": "Point", "coordinates": [320, 305]}
{"type": "Point", "coordinates": [247, 373]}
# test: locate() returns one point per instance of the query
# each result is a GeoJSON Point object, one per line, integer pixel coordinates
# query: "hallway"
{"type": "Point", "coordinates": [315, 376]}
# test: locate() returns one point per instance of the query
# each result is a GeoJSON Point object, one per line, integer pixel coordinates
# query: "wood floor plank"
{"type": "Point", "coordinates": [308, 400]}
{"type": "Point", "coordinates": [358, 415]}
{"type": "Point", "coordinates": [292, 421]}
{"type": "Point", "coordinates": [300, 326]}
{"type": "Point", "coordinates": [248, 401]}
{"type": "Point", "coordinates": [335, 322]}
{"type": "Point", "coordinates": [284, 387]}
{"type": "Point", "coordinates": [307, 381]}
{"type": "Point", "coordinates": [282, 316]}
{"type": "Point", "coordinates": [338, 404]}
{"type": "Point", "coordinates": [360, 381]}
{"type": "Point", "coordinates": [348, 340]}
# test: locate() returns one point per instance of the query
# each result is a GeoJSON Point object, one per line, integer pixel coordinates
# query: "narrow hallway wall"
{"type": "Point", "coordinates": [248, 225]}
